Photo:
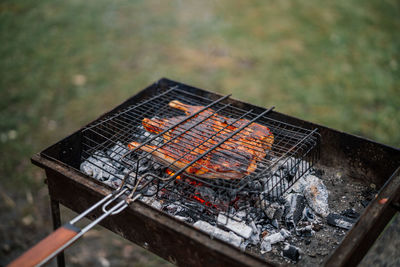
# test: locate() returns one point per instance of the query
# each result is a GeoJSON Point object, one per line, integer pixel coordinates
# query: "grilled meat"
{"type": "Point", "coordinates": [234, 159]}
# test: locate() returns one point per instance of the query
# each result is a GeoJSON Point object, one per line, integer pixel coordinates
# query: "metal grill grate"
{"type": "Point", "coordinates": [212, 131]}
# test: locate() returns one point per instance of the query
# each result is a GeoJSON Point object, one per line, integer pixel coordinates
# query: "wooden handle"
{"type": "Point", "coordinates": [46, 247]}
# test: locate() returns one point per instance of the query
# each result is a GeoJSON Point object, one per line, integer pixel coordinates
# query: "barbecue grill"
{"type": "Point", "coordinates": [97, 160]}
{"type": "Point", "coordinates": [293, 146]}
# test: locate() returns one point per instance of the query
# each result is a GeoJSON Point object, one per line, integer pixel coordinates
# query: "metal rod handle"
{"type": "Point", "coordinates": [42, 250]}
{"type": "Point", "coordinates": [67, 234]}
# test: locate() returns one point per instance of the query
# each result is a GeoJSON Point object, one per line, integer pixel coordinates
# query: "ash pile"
{"type": "Point", "coordinates": [265, 225]}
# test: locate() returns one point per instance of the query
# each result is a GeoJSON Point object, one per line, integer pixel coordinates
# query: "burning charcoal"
{"type": "Point", "coordinates": [265, 246]}
{"type": "Point", "coordinates": [308, 215]}
{"type": "Point", "coordinates": [151, 190]}
{"type": "Point", "coordinates": [244, 245]}
{"type": "Point", "coordinates": [280, 165]}
{"type": "Point", "coordinates": [93, 167]}
{"type": "Point", "coordinates": [271, 209]}
{"type": "Point", "coordinates": [192, 216]}
{"type": "Point", "coordinates": [156, 166]}
{"type": "Point", "coordinates": [255, 237]}
{"type": "Point", "coordinates": [205, 192]}
{"type": "Point", "coordinates": [130, 170]}
{"type": "Point", "coordinates": [351, 213]}
{"type": "Point", "coordinates": [292, 173]}
{"type": "Point", "coordinates": [291, 252]}
{"type": "Point", "coordinates": [156, 204]}
{"type": "Point", "coordinates": [317, 195]}
{"type": "Point", "coordinates": [184, 219]}
{"type": "Point", "coordinates": [174, 208]}
{"type": "Point", "coordinates": [340, 221]}
{"type": "Point", "coordinates": [152, 202]}
{"type": "Point", "coordinates": [252, 214]}
{"type": "Point", "coordinates": [255, 186]}
{"type": "Point", "coordinates": [275, 223]}
{"type": "Point", "coordinates": [120, 176]}
{"type": "Point", "coordinates": [113, 182]}
{"type": "Point", "coordinates": [214, 231]}
{"type": "Point", "coordinates": [99, 155]}
{"type": "Point", "coordinates": [274, 186]}
{"type": "Point", "coordinates": [295, 205]}
{"type": "Point", "coordinates": [268, 228]}
{"type": "Point", "coordinates": [108, 170]}
{"type": "Point", "coordinates": [116, 152]}
{"type": "Point", "coordinates": [279, 213]}
{"type": "Point", "coordinates": [241, 214]}
{"type": "Point", "coordinates": [143, 167]}
{"type": "Point", "coordinates": [239, 228]}
{"type": "Point", "coordinates": [146, 134]}
{"type": "Point", "coordinates": [195, 206]}
{"type": "Point", "coordinates": [298, 187]}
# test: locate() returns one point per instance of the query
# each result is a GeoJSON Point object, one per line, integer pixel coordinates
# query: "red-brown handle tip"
{"type": "Point", "coordinates": [46, 247]}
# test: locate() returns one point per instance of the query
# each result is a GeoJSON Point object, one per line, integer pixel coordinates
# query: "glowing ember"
{"type": "Point", "coordinates": [171, 173]}
{"type": "Point", "coordinates": [195, 184]}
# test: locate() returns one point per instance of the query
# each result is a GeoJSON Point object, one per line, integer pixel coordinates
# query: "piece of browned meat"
{"type": "Point", "coordinates": [234, 159]}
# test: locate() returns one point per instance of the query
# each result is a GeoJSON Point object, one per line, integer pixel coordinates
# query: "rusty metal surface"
{"type": "Point", "coordinates": [174, 240]}
{"type": "Point", "coordinates": [367, 229]}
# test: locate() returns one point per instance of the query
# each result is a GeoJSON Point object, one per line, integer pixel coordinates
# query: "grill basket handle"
{"type": "Point", "coordinates": [47, 246]}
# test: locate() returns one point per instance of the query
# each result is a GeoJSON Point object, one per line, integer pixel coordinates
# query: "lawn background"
{"type": "Point", "coordinates": [65, 62]}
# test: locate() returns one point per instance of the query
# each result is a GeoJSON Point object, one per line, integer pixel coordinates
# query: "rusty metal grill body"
{"type": "Point", "coordinates": [179, 242]}
{"type": "Point", "coordinates": [107, 140]}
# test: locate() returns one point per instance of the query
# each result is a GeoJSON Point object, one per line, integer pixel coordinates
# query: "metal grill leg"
{"type": "Point", "coordinates": [56, 216]}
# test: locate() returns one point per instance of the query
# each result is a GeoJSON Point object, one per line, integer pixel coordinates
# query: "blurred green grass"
{"type": "Point", "coordinates": [65, 62]}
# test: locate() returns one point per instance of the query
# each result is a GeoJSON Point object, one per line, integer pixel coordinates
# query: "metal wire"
{"type": "Point", "coordinates": [213, 130]}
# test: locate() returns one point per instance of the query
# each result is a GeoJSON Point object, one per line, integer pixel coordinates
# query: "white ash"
{"type": "Point", "coordinates": [316, 194]}
{"type": "Point", "coordinates": [265, 247]}
{"type": "Point", "coordinates": [240, 214]}
{"type": "Point", "coordinates": [214, 231]}
{"type": "Point", "coordinates": [97, 166]}
{"type": "Point", "coordinates": [239, 228]}
{"type": "Point", "coordinates": [269, 240]}
{"type": "Point", "coordinates": [151, 201]}
{"type": "Point", "coordinates": [116, 152]}
{"type": "Point", "coordinates": [277, 237]}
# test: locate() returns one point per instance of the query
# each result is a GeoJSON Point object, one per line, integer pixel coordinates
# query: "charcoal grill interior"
{"type": "Point", "coordinates": [355, 156]}
{"type": "Point", "coordinates": [106, 141]}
